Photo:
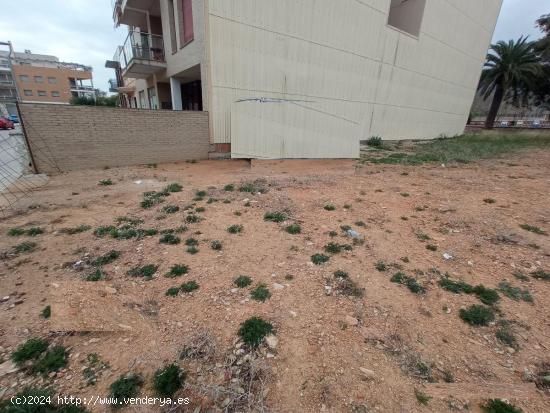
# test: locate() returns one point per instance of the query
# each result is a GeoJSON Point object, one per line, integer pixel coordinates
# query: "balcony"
{"type": "Point", "coordinates": [7, 83]}
{"type": "Point", "coordinates": [133, 12]}
{"type": "Point", "coordinates": [141, 55]}
{"type": "Point", "coordinates": [113, 85]}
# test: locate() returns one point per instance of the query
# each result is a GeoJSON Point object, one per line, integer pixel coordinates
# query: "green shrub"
{"type": "Point", "coordinates": [319, 259]}
{"type": "Point", "coordinates": [274, 217]}
{"type": "Point", "coordinates": [541, 275]}
{"type": "Point", "coordinates": [177, 270]}
{"type": "Point", "coordinates": [170, 239]}
{"type": "Point", "coordinates": [515, 293]}
{"type": "Point", "coordinates": [500, 406]}
{"type": "Point", "coordinates": [125, 387]}
{"type": "Point", "coordinates": [505, 334]}
{"type": "Point", "coordinates": [172, 291]}
{"type": "Point", "coordinates": [333, 248]}
{"type": "Point", "coordinates": [341, 274]}
{"type": "Point", "coordinates": [242, 281]}
{"type": "Point", "coordinates": [216, 245]}
{"type": "Point", "coordinates": [168, 380]}
{"type": "Point", "coordinates": [260, 293]}
{"type": "Point", "coordinates": [294, 229]}
{"type": "Point", "coordinates": [229, 188]}
{"type": "Point", "coordinates": [235, 229]}
{"type": "Point", "coordinates": [431, 247]}
{"type": "Point", "coordinates": [105, 182]}
{"type": "Point", "coordinates": [486, 295]}
{"type": "Point", "coordinates": [53, 360]}
{"type": "Point", "coordinates": [16, 232]}
{"type": "Point", "coordinates": [104, 230]}
{"type": "Point", "coordinates": [381, 266]}
{"type": "Point", "coordinates": [375, 141]}
{"type": "Point", "coordinates": [200, 194]}
{"type": "Point", "coordinates": [170, 209]}
{"type": "Point", "coordinates": [106, 258]}
{"type": "Point", "coordinates": [253, 331]}
{"type": "Point", "coordinates": [29, 350]}
{"type": "Point", "coordinates": [189, 286]}
{"type": "Point", "coordinates": [192, 219]}
{"type": "Point", "coordinates": [97, 275]}
{"type": "Point", "coordinates": [34, 231]}
{"type": "Point", "coordinates": [422, 397]}
{"type": "Point", "coordinates": [348, 287]}
{"type": "Point", "coordinates": [455, 286]}
{"type": "Point", "coordinates": [191, 242]}
{"type": "Point", "coordinates": [533, 229]}
{"type": "Point", "coordinates": [192, 250]}
{"type": "Point", "coordinates": [330, 207]}
{"type": "Point", "coordinates": [489, 201]}
{"type": "Point", "coordinates": [146, 271]}
{"type": "Point", "coordinates": [410, 282]}
{"type": "Point", "coordinates": [175, 187]}
{"type": "Point", "coordinates": [200, 209]}
{"type": "Point", "coordinates": [477, 315]}
{"type": "Point", "coordinates": [24, 247]}
{"type": "Point", "coordinates": [46, 312]}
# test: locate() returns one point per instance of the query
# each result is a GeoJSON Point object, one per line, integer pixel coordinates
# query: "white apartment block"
{"type": "Point", "coordinates": [306, 78]}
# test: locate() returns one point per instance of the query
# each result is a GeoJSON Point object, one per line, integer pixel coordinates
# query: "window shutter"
{"type": "Point", "coordinates": [187, 22]}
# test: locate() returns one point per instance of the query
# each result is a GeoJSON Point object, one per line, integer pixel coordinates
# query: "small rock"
{"type": "Point", "coordinates": [366, 373]}
{"type": "Point", "coordinates": [19, 301]}
{"type": "Point", "coordinates": [447, 256]}
{"type": "Point", "coordinates": [272, 341]}
{"type": "Point", "coordinates": [4, 299]}
{"type": "Point", "coordinates": [277, 286]}
{"type": "Point", "coordinates": [8, 367]}
{"type": "Point", "coordinates": [111, 290]}
{"type": "Point", "coordinates": [293, 313]}
{"type": "Point", "coordinates": [352, 321]}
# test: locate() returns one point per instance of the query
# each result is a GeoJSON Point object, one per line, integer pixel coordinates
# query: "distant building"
{"type": "Point", "coordinates": [8, 87]}
{"type": "Point", "coordinates": [309, 78]}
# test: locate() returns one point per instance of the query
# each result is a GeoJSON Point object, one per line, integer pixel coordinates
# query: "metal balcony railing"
{"type": "Point", "coordinates": [113, 85]}
{"type": "Point", "coordinates": [142, 46]}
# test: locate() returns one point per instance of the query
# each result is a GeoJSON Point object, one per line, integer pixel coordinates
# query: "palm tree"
{"type": "Point", "coordinates": [511, 68]}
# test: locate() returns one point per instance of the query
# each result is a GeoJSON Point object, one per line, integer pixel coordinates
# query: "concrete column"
{"type": "Point", "coordinates": [175, 89]}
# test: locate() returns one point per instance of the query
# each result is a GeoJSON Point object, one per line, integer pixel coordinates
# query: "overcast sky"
{"type": "Point", "coordinates": [82, 31]}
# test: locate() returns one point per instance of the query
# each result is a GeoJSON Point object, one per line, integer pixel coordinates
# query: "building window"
{"type": "Point", "coordinates": [142, 102]}
{"type": "Point", "coordinates": [52, 80]}
{"type": "Point", "coordinates": [23, 78]}
{"type": "Point", "coordinates": [152, 93]}
{"type": "Point", "coordinates": [42, 93]}
{"type": "Point", "coordinates": [55, 94]}
{"type": "Point", "coordinates": [39, 79]}
{"type": "Point", "coordinates": [407, 15]}
{"type": "Point", "coordinates": [185, 21]}
{"type": "Point", "coordinates": [27, 92]}
{"type": "Point", "coordinates": [172, 25]}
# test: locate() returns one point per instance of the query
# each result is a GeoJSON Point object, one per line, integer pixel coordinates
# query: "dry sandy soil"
{"type": "Point", "coordinates": [407, 342]}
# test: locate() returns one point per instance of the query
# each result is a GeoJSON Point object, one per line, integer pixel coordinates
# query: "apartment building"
{"type": "Point", "coordinates": [43, 78]}
{"type": "Point", "coordinates": [308, 78]}
{"type": "Point", "coordinates": [8, 87]}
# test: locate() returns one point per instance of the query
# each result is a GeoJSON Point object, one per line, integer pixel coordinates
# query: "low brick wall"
{"type": "Point", "coordinates": [66, 138]}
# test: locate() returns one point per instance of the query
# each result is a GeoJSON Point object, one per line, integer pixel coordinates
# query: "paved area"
{"type": "Point", "coordinates": [13, 159]}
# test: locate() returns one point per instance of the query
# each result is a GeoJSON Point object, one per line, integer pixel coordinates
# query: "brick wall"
{"type": "Point", "coordinates": [65, 138]}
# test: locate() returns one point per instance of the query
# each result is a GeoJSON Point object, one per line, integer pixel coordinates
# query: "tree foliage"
{"type": "Point", "coordinates": [98, 101]}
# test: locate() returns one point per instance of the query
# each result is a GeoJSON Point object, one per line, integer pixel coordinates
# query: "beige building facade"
{"type": "Point", "coordinates": [307, 78]}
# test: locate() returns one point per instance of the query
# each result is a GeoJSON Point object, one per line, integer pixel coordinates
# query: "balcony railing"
{"type": "Point", "coordinates": [140, 46]}
{"type": "Point", "coordinates": [113, 85]}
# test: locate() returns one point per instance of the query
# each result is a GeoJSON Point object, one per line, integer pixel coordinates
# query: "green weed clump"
{"type": "Point", "coordinates": [275, 217]}
{"type": "Point", "coordinates": [170, 209]}
{"type": "Point", "coordinates": [75, 230]}
{"type": "Point", "coordinates": [170, 239]}
{"type": "Point", "coordinates": [146, 271]}
{"type": "Point", "coordinates": [235, 229]}
{"type": "Point", "coordinates": [25, 247]}
{"type": "Point", "coordinates": [174, 187]}
{"type": "Point", "coordinates": [152, 198]}
{"type": "Point", "coordinates": [30, 350]}
{"type": "Point", "coordinates": [341, 274]}
{"type": "Point", "coordinates": [335, 248]}
{"type": "Point", "coordinates": [533, 229]}
{"type": "Point", "coordinates": [260, 293]}
{"type": "Point", "coordinates": [189, 286]}
{"type": "Point", "coordinates": [242, 281]}
{"type": "Point", "coordinates": [168, 380]}
{"type": "Point", "coordinates": [105, 182]}
{"type": "Point", "coordinates": [319, 259]}
{"type": "Point", "coordinates": [96, 275]}
{"type": "Point", "coordinates": [477, 315]}
{"type": "Point", "coordinates": [125, 388]}
{"type": "Point", "coordinates": [253, 331]}
{"type": "Point", "coordinates": [106, 258]}
{"type": "Point", "coordinates": [177, 270]}
{"type": "Point", "coordinates": [515, 293]}
{"type": "Point", "coordinates": [294, 229]}
{"type": "Point", "coordinates": [216, 245]}
{"type": "Point", "coordinates": [46, 312]}
{"type": "Point", "coordinates": [329, 207]}
{"type": "Point", "coordinates": [229, 188]}
{"type": "Point", "coordinates": [172, 291]}
{"type": "Point", "coordinates": [485, 295]}
{"type": "Point", "coordinates": [374, 142]}
{"type": "Point", "coordinates": [410, 282]}
{"type": "Point", "coordinates": [541, 275]}
{"type": "Point", "coordinates": [53, 360]}
{"type": "Point", "coordinates": [381, 266]}
{"type": "Point", "coordinates": [499, 406]}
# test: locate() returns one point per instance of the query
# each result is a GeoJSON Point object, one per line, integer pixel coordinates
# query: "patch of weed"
{"type": "Point", "coordinates": [489, 201]}
{"type": "Point", "coordinates": [348, 287]}
{"type": "Point", "coordinates": [541, 275]}
{"type": "Point", "coordinates": [172, 291]}
{"type": "Point", "coordinates": [329, 207]}
{"type": "Point", "coordinates": [125, 388]}
{"type": "Point", "coordinates": [410, 282]}
{"type": "Point", "coordinates": [75, 230]}
{"type": "Point", "coordinates": [235, 229]}
{"type": "Point", "coordinates": [242, 281]}
{"type": "Point", "coordinates": [29, 350]}
{"type": "Point", "coordinates": [105, 182]}
{"type": "Point", "coordinates": [174, 187]}
{"type": "Point", "coordinates": [34, 231]}
{"type": "Point", "coordinates": [294, 229]}
{"type": "Point", "coordinates": [421, 397]}
{"type": "Point", "coordinates": [170, 239]}
{"type": "Point", "coordinates": [506, 335]}
{"type": "Point", "coordinates": [533, 229]}
{"type": "Point", "coordinates": [106, 258]}
{"type": "Point", "coordinates": [375, 142]}
{"type": "Point", "coordinates": [104, 230]}
{"type": "Point", "coordinates": [200, 209]}
{"type": "Point", "coordinates": [145, 271]}
{"type": "Point", "coordinates": [360, 224]}
{"type": "Point", "coordinates": [24, 247]}
{"type": "Point", "coordinates": [229, 188]}
{"type": "Point", "coordinates": [191, 241]}
{"type": "Point", "coordinates": [53, 360]}
{"type": "Point", "coordinates": [177, 270]}
{"type": "Point", "coordinates": [201, 194]}
{"type": "Point", "coordinates": [334, 248]}
{"type": "Point", "coordinates": [381, 266]}
{"type": "Point", "coordinates": [431, 247]}
{"type": "Point", "coordinates": [170, 209]}
{"type": "Point", "coordinates": [168, 380]}
{"type": "Point", "coordinates": [477, 315]}
{"type": "Point", "coordinates": [500, 406]}
{"type": "Point", "coordinates": [275, 217]}
{"type": "Point", "coordinates": [192, 219]}
{"type": "Point", "coordinates": [189, 286]}
{"type": "Point", "coordinates": [341, 274]}
{"type": "Point", "coordinates": [216, 245]}
{"type": "Point", "coordinates": [319, 259]}
{"type": "Point", "coordinates": [520, 276]}
{"type": "Point", "coordinates": [253, 331]}
{"type": "Point", "coordinates": [515, 293]}
{"type": "Point", "coordinates": [486, 295]}
{"type": "Point", "coordinates": [96, 275]}
{"type": "Point", "coordinates": [332, 234]}
{"type": "Point", "coordinates": [16, 232]}
{"type": "Point", "coordinates": [260, 293]}
{"type": "Point", "coordinates": [192, 250]}
{"type": "Point", "coordinates": [46, 312]}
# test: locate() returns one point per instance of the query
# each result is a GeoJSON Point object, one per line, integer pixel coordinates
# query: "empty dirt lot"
{"type": "Point", "coordinates": [361, 340]}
